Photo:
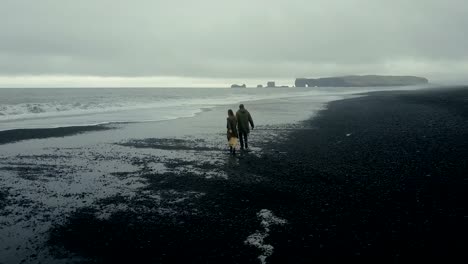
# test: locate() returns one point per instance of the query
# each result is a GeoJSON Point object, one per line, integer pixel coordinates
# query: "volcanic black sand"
{"type": "Point", "coordinates": [383, 175]}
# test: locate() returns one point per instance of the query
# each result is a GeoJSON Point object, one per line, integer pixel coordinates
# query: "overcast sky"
{"type": "Point", "coordinates": [209, 42]}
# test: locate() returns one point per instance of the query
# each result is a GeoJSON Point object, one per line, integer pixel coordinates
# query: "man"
{"type": "Point", "coordinates": [243, 120]}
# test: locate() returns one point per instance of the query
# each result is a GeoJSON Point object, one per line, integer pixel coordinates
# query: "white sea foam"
{"type": "Point", "coordinates": [62, 111]}
{"type": "Point", "coordinates": [257, 239]}
{"type": "Point", "coordinates": [57, 108]}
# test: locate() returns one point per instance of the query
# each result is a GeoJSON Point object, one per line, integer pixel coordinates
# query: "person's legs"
{"type": "Point", "coordinates": [246, 140]}
{"type": "Point", "coordinates": [241, 139]}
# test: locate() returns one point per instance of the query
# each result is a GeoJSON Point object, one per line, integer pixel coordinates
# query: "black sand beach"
{"type": "Point", "coordinates": [380, 175]}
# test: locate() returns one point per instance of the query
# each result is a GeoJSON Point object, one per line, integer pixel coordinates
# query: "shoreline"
{"type": "Point", "coordinates": [21, 134]}
{"type": "Point", "coordinates": [378, 175]}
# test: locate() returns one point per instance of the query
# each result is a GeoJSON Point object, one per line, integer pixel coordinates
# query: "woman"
{"type": "Point", "coordinates": [232, 131]}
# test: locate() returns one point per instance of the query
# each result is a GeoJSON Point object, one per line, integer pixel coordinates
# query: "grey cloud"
{"type": "Point", "coordinates": [231, 39]}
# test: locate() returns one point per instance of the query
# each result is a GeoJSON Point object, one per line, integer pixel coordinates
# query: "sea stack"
{"type": "Point", "coordinates": [238, 86]}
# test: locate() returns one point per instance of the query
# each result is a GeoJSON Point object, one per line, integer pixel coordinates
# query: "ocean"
{"type": "Point", "coordinates": [60, 107]}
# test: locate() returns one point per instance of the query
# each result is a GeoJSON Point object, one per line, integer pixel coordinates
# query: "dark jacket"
{"type": "Point", "coordinates": [243, 120]}
{"type": "Point", "coordinates": [232, 125]}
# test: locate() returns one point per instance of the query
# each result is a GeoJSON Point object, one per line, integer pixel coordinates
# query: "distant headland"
{"type": "Point", "coordinates": [361, 81]}
{"type": "Point", "coordinates": [349, 81]}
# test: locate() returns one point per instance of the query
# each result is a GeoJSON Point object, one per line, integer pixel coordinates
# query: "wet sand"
{"type": "Point", "coordinates": [15, 135]}
{"type": "Point", "coordinates": [381, 175]}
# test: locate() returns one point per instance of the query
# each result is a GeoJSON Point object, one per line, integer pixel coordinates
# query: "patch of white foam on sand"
{"type": "Point", "coordinates": [257, 239]}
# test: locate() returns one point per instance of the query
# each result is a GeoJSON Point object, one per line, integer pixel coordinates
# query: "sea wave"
{"type": "Point", "coordinates": [74, 107]}
{"type": "Point", "coordinates": [25, 111]}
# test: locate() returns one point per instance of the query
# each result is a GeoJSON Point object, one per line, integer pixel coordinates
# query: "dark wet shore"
{"type": "Point", "coordinates": [381, 175]}
{"type": "Point", "coordinates": [15, 135]}
{"type": "Point", "coordinates": [3, 197]}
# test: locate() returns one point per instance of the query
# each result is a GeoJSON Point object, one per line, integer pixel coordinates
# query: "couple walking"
{"type": "Point", "coordinates": [238, 127]}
